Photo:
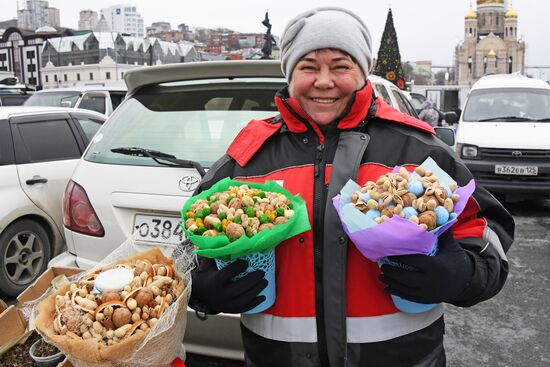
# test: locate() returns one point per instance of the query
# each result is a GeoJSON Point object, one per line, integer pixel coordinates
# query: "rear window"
{"type": "Point", "coordinates": [507, 104]}
{"type": "Point", "coordinates": [190, 121]}
{"type": "Point", "coordinates": [54, 99]}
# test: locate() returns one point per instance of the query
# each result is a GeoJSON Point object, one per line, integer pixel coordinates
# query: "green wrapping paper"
{"type": "Point", "coordinates": [219, 247]}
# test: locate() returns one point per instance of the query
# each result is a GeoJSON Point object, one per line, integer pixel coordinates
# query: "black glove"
{"type": "Point", "coordinates": [215, 291]}
{"type": "Point", "coordinates": [439, 278]}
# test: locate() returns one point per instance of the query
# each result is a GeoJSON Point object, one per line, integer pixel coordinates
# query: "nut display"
{"type": "Point", "coordinates": [238, 211]}
{"type": "Point", "coordinates": [84, 312]}
{"type": "Point", "coordinates": [419, 197]}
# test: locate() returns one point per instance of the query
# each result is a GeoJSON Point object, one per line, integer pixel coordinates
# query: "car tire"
{"type": "Point", "coordinates": [25, 250]}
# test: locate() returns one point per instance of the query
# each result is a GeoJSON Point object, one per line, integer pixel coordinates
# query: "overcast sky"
{"type": "Point", "coordinates": [426, 29]}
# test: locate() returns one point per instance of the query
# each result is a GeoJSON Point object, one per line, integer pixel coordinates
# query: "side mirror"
{"type": "Point", "coordinates": [451, 117]}
{"type": "Point", "coordinates": [66, 104]}
{"type": "Point", "coordinates": [447, 135]}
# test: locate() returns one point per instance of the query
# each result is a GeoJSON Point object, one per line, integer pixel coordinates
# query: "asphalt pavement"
{"type": "Point", "coordinates": [513, 328]}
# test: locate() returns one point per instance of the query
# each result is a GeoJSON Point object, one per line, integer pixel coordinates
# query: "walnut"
{"type": "Point", "coordinates": [280, 220]}
{"type": "Point", "coordinates": [234, 231]}
{"type": "Point", "coordinates": [143, 297]}
{"type": "Point", "coordinates": [72, 318]}
{"type": "Point", "coordinates": [408, 199]}
{"type": "Point", "coordinates": [121, 316]}
{"type": "Point", "coordinates": [235, 203]}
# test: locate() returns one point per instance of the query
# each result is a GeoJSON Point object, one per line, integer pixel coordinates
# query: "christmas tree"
{"type": "Point", "coordinates": [388, 63]}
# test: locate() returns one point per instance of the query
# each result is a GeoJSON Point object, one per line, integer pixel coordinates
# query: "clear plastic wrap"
{"type": "Point", "coordinates": [158, 347]}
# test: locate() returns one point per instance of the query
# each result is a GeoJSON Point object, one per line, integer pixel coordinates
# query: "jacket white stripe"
{"type": "Point", "coordinates": [492, 238]}
{"type": "Point", "coordinates": [359, 329]}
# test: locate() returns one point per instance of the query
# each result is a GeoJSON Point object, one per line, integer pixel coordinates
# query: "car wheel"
{"type": "Point", "coordinates": [25, 250]}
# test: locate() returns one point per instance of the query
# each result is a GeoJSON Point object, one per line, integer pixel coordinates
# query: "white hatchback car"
{"type": "Point", "coordinates": [39, 148]}
{"type": "Point", "coordinates": [150, 155]}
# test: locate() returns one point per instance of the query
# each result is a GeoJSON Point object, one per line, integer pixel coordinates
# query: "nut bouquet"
{"type": "Point", "coordinates": [401, 213]}
{"type": "Point", "coordinates": [129, 313]}
{"type": "Point", "coordinates": [237, 219]}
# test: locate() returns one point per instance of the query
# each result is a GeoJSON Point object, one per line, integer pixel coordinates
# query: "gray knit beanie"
{"type": "Point", "coordinates": [325, 27]}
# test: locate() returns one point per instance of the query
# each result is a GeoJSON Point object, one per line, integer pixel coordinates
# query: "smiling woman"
{"type": "Point", "coordinates": [323, 82]}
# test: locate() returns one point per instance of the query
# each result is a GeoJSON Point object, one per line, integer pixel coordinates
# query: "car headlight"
{"type": "Point", "coordinates": [468, 151]}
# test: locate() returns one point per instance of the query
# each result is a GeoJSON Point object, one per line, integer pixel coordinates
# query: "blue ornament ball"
{"type": "Point", "coordinates": [409, 211]}
{"type": "Point", "coordinates": [373, 214]}
{"type": "Point", "coordinates": [441, 215]}
{"type": "Point", "coordinates": [365, 196]}
{"type": "Point", "coordinates": [416, 188]}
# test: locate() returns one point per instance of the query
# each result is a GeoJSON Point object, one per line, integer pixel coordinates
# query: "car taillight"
{"type": "Point", "coordinates": [78, 213]}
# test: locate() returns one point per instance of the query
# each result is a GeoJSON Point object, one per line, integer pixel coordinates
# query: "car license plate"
{"type": "Point", "coordinates": [502, 169]}
{"type": "Point", "coordinates": [155, 228]}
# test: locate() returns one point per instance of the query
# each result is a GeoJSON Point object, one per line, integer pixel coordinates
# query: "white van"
{"type": "Point", "coordinates": [503, 135]}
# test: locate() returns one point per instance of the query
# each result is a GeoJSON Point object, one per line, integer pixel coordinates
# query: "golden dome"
{"type": "Point", "coordinates": [471, 14]}
{"type": "Point", "coordinates": [492, 53]}
{"type": "Point", "coordinates": [484, 2]}
{"type": "Point", "coordinates": [511, 13]}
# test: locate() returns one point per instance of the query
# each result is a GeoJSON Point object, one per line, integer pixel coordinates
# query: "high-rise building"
{"type": "Point", "coordinates": [125, 19]}
{"type": "Point", "coordinates": [53, 14]}
{"type": "Point", "coordinates": [88, 20]}
{"type": "Point", "coordinates": [158, 27]}
{"type": "Point", "coordinates": [36, 14]}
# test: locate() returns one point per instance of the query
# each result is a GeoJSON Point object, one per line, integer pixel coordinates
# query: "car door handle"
{"type": "Point", "coordinates": [36, 180]}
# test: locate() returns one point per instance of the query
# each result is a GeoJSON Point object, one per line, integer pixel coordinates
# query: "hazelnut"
{"type": "Point", "coordinates": [131, 303]}
{"type": "Point", "coordinates": [144, 296]}
{"type": "Point", "coordinates": [109, 296]}
{"type": "Point", "coordinates": [428, 218]}
{"type": "Point", "coordinates": [143, 266]}
{"type": "Point", "coordinates": [388, 211]}
{"type": "Point", "coordinates": [121, 316]}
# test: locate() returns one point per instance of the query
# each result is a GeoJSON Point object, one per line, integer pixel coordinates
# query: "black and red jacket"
{"type": "Point", "coordinates": [329, 299]}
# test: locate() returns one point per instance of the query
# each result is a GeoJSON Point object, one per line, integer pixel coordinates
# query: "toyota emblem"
{"type": "Point", "coordinates": [516, 153]}
{"type": "Point", "coordinates": [189, 183]}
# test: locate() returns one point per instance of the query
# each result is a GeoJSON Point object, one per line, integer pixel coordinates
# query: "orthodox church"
{"type": "Point", "coordinates": [491, 44]}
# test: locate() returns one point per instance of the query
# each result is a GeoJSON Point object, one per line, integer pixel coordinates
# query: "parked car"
{"type": "Point", "coordinates": [177, 112]}
{"type": "Point", "coordinates": [96, 98]}
{"type": "Point", "coordinates": [12, 93]}
{"type": "Point", "coordinates": [503, 135]}
{"type": "Point", "coordinates": [39, 148]}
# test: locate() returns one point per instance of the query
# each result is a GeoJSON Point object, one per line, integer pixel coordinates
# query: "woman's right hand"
{"type": "Point", "coordinates": [215, 291]}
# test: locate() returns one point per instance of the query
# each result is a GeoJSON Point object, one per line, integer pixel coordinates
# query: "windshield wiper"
{"type": "Point", "coordinates": [506, 118]}
{"type": "Point", "coordinates": [158, 156]}
{"type": "Point", "coordinates": [546, 119]}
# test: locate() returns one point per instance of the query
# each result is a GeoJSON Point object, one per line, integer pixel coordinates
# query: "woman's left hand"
{"type": "Point", "coordinates": [439, 278]}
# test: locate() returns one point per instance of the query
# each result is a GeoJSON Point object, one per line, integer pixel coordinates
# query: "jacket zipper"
{"type": "Point", "coordinates": [318, 207]}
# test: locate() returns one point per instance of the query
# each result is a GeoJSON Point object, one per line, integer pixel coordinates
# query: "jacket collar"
{"type": "Point", "coordinates": [298, 121]}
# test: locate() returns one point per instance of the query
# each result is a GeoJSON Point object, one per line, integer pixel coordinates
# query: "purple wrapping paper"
{"type": "Point", "coordinates": [398, 236]}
